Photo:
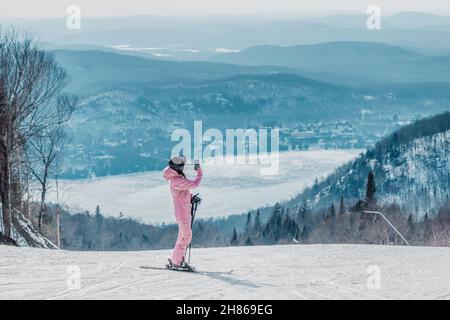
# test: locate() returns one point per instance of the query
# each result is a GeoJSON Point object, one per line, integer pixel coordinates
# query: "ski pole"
{"type": "Point", "coordinates": [193, 211]}
{"type": "Point", "coordinates": [192, 223]}
{"type": "Point", "coordinates": [195, 201]}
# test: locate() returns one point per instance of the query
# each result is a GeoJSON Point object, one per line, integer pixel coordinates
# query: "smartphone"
{"type": "Point", "coordinates": [196, 165]}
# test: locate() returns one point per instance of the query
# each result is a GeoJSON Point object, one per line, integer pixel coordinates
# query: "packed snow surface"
{"type": "Point", "coordinates": [226, 189]}
{"type": "Point", "coordinates": [263, 272]}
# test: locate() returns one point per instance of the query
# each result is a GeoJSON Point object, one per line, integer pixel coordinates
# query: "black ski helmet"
{"type": "Point", "coordinates": [177, 163]}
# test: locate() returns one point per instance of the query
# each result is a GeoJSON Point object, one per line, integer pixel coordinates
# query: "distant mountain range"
{"type": "Point", "coordinates": [357, 60]}
{"type": "Point", "coordinates": [93, 71]}
{"type": "Point", "coordinates": [343, 63]}
{"type": "Point", "coordinates": [135, 103]}
{"type": "Point", "coordinates": [200, 38]}
{"type": "Point", "coordinates": [406, 20]}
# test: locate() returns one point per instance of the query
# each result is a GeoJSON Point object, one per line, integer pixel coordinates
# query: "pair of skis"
{"type": "Point", "coordinates": [170, 266]}
{"type": "Point", "coordinates": [192, 270]}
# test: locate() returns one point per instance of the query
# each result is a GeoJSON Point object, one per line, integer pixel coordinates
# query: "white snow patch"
{"type": "Point", "coordinates": [161, 55]}
{"type": "Point", "coordinates": [188, 50]}
{"type": "Point", "coordinates": [226, 50]}
{"type": "Point", "coordinates": [121, 46]}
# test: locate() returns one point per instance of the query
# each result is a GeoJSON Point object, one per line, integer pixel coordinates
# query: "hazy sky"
{"type": "Point", "coordinates": [54, 8]}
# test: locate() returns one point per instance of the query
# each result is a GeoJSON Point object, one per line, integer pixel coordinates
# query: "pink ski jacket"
{"type": "Point", "coordinates": [179, 188]}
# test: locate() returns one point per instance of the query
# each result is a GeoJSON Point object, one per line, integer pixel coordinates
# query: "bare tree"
{"type": "Point", "coordinates": [27, 176]}
{"type": "Point", "coordinates": [5, 147]}
{"type": "Point", "coordinates": [32, 101]}
{"type": "Point", "coordinates": [45, 149]}
{"type": "Point", "coordinates": [58, 215]}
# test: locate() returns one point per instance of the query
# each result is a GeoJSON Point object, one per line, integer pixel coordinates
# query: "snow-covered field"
{"type": "Point", "coordinates": [271, 272]}
{"type": "Point", "coordinates": [226, 189]}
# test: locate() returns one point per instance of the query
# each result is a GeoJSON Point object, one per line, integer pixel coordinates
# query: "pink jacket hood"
{"type": "Point", "coordinates": [169, 173]}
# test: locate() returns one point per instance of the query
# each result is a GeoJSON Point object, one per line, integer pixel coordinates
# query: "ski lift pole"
{"type": "Point", "coordinates": [392, 226]}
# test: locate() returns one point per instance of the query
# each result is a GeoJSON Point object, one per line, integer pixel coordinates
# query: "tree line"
{"type": "Point", "coordinates": [346, 222]}
{"type": "Point", "coordinates": [342, 222]}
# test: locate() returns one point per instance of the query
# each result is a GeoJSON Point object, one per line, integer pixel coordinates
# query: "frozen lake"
{"type": "Point", "coordinates": [226, 189]}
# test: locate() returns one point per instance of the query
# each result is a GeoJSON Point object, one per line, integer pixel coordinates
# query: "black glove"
{"type": "Point", "coordinates": [196, 199]}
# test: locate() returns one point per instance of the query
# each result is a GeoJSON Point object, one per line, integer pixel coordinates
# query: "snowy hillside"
{"type": "Point", "coordinates": [411, 168]}
{"type": "Point", "coordinates": [270, 272]}
{"type": "Point", "coordinates": [424, 166]}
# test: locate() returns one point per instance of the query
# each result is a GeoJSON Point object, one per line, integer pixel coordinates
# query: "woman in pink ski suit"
{"type": "Point", "coordinates": [179, 188]}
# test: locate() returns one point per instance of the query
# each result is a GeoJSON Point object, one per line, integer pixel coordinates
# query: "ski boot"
{"type": "Point", "coordinates": [183, 266]}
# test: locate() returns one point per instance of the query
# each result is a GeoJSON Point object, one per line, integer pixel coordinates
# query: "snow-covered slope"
{"type": "Point", "coordinates": [270, 272]}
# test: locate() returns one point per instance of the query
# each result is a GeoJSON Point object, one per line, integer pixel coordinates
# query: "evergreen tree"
{"type": "Point", "coordinates": [332, 223]}
{"type": "Point", "coordinates": [248, 224]}
{"type": "Point", "coordinates": [426, 228]}
{"type": "Point", "coordinates": [257, 224]}
{"type": "Point", "coordinates": [273, 226]}
{"type": "Point", "coordinates": [234, 239]}
{"type": "Point", "coordinates": [301, 213]}
{"type": "Point", "coordinates": [411, 227]}
{"type": "Point", "coordinates": [410, 222]}
{"type": "Point", "coordinates": [341, 207]}
{"type": "Point", "coordinates": [332, 212]}
{"type": "Point", "coordinates": [304, 234]}
{"type": "Point", "coordinates": [370, 189]}
{"type": "Point", "coordinates": [98, 217]}
{"type": "Point", "coordinates": [315, 186]}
